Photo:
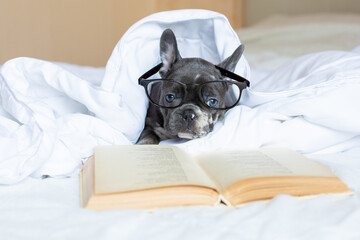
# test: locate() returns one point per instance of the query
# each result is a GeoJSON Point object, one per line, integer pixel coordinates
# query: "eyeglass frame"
{"type": "Point", "coordinates": [144, 81]}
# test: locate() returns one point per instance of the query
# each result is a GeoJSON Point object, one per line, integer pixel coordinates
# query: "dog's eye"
{"type": "Point", "coordinates": [170, 98]}
{"type": "Point", "coordinates": [212, 102]}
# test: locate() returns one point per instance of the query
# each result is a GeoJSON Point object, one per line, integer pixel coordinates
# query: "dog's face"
{"type": "Point", "coordinates": [193, 119]}
{"type": "Point", "coordinates": [183, 82]}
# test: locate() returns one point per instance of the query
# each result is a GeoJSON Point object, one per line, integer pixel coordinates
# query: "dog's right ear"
{"type": "Point", "coordinates": [169, 52]}
{"type": "Point", "coordinates": [230, 62]}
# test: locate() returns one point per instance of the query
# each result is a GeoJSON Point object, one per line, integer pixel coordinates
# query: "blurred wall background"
{"type": "Point", "coordinates": [85, 32]}
{"type": "Point", "coordinates": [256, 10]}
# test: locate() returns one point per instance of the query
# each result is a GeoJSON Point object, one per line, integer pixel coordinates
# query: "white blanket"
{"type": "Point", "coordinates": [52, 118]}
{"type": "Point", "coordinates": [310, 104]}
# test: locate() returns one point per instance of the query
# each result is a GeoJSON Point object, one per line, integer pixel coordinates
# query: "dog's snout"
{"type": "Point", "coordinates": [188, 115]}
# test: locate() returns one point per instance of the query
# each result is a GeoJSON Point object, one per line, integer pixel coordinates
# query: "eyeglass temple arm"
{"type": "Point", "coordinates": [150, 72]}
{"type": "Point", "coordinates": [222, 71]}
{"type": "Point", "coordinates": [232, 75]}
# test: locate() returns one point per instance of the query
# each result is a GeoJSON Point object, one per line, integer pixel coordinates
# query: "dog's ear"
{"type": "Point", "coordinates": [169, 52]}
{"type": "Point", "coordinates": [230, 62]}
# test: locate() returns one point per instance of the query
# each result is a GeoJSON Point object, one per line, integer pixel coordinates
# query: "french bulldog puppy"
{"type": "Point", "coordinates": [196, 116]}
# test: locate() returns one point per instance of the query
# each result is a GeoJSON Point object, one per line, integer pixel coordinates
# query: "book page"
{"type": "Point", "coordinates": [134, 167]}
{"type": "Point", "coordinates": [229, 167]}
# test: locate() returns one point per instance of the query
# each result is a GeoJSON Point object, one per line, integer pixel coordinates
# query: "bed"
{"type": "Point", "coordinates": [303, 95]}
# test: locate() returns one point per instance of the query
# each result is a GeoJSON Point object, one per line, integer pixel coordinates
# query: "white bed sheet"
{"type": "Point", "coordinates": [49, 208]}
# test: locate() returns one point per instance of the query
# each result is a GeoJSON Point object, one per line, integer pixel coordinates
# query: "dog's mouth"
{"type": "Point", "coordinates": [187, 134]}
{"type": "Point", "coordinates": [190, 122]}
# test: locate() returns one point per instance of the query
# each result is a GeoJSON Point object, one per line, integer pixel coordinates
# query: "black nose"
{"type": "Point", "coordinates": [188, 116]}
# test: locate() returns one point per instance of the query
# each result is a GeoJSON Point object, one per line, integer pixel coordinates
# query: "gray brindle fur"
{"type": "Point", "coordinates": [192, 119]}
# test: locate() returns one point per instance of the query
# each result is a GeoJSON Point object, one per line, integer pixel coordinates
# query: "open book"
{"type": "Point", "coordinates": [149, 176]}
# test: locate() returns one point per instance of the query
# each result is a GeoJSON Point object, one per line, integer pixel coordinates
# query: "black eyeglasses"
{"type": "Point", "coordinates": [216, 94]}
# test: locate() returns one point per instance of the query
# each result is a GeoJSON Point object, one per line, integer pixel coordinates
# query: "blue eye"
{"type": "Point", "coordinates": [170, 98]}
{"type": "Point", "coordinates": [212, 102]}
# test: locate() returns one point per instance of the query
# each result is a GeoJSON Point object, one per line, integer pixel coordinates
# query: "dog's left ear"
{"type": "Point", "coordinates": [230, 62]}
{"type": "Point", "coordinates": [169, 52]}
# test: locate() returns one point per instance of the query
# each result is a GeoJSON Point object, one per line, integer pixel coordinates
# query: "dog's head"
{"type": "Point", "coordinates": [193, 91]}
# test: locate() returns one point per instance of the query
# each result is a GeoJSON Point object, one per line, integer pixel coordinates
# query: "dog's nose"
{"type": "Point", "coordinates": [188, 115]}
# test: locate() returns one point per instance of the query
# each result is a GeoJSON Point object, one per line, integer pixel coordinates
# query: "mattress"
{"type": "Point", "coordinates": [287, 56]}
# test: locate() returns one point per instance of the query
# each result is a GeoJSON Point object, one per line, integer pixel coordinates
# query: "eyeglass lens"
{"type": "Point", "coordinates": [216, 94]}
{"type": "Point", "coordinates": [220, 94]}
